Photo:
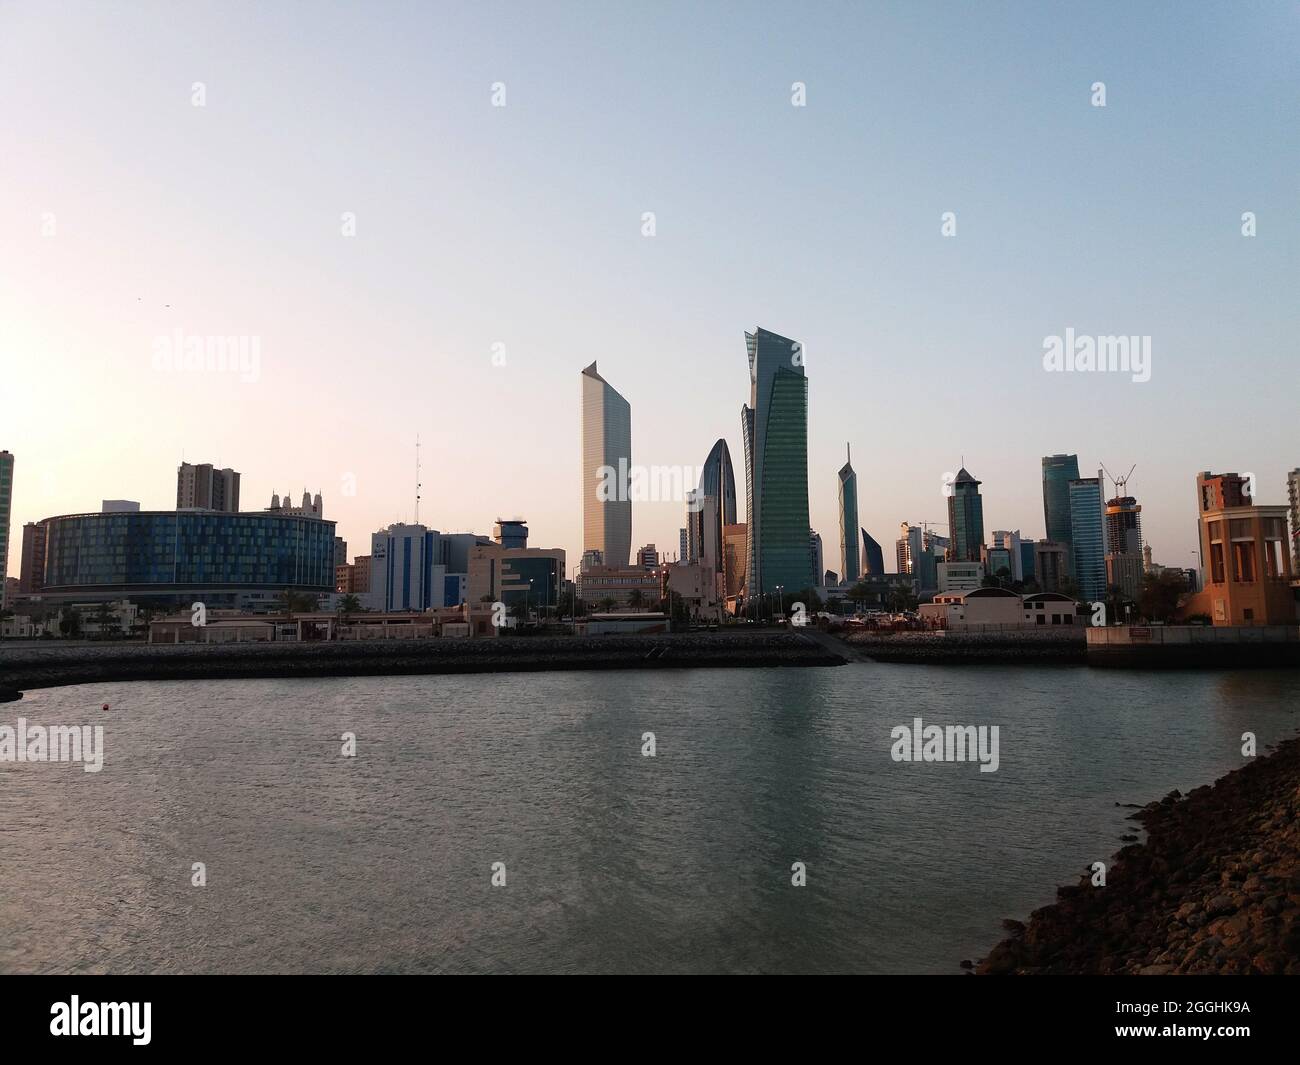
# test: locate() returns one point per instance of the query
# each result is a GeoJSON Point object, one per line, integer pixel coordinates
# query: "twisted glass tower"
{"type": "Point", "coordinates": [774, 425]}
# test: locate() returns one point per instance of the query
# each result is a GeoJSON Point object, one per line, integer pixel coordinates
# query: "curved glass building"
{"type": "Point", "coordinates": [179, 553]}
{"type": "Point", "coordinates": [715, 505]}
{"type": "Point", "coordinates": [774, 425]}
{"type": "Point", "coordinates": [1058, 472]}
{"type": "Point", "coordinates": [850, 566]}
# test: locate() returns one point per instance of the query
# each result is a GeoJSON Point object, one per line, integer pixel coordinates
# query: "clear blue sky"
{"type": "Point", "coordinates": [522, 225]}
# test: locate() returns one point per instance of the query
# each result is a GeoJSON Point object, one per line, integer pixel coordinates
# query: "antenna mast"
{"type": "Point", "coordinates": [417, 478]}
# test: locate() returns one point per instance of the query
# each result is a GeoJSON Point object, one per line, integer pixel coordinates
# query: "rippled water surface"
{"type": "Point", "coordinates": [614, 861]}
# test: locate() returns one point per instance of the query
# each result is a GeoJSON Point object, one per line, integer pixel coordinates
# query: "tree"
{"type": "Point", "coordinates": [1158, 599]}
{"type": "Point", "coordinates": [635, 599]}
{"type": "Point", "coordinates": [70, 623]}
{"type": "Point", "coordinates": [606, 605]}
{"type": "Point", "coordinates": [349, 604]}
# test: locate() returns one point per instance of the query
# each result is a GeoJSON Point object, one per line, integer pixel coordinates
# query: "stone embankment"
{"type": "Point", "coordinates": [45, 665]}
{"type": "Point", "coordinates": [1214, 889]}
{"type": "Point", "coordinates": [1034, 646]}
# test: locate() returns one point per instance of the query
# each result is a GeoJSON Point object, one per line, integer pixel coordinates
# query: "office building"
{"type": "Point", "coordinates": [873, 559]}
{"type": "Point", "coordinates": [965, 518]}
{"type": "Point", "coordinates": [1058, 472]}
{"type": "Point", "coordinates": [850, 564]}
{"type": "Point", "coordinates": [620, 586]}
{"type": "Point", "coordinates": [648, 557]}
{"type": "Point", "coordinates": [202, 486]}
{"type": "Point", "coordinates": [774, 425]}
{"type": "Point", "coordinates": [1087, 537]}
{"type": "Point", "coordinates": [998, 562]}
{"type": "Point", "coordinates": [219, 558]}
{"type": "Point", "coordinates": [959, 576]}
{"type": "Point", "coordinates": [1293, 508]}
{"type": "Point", "coordinates": [735, 541]}
{"type": "Point", "coordinates": [1051, 565]}
{"type": "Point", "coordinates": [1011, 541]}
{"type": "Point", "coordinates": [413, 567]}
{"type": "Point", "coordinates": [532, 576]}
{"type": "Point", "coordinates": [31, 571]}
{"type": "Point", "coordinates": [606, 466]}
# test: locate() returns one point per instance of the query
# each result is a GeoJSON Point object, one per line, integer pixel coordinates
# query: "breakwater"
{"type": "Point", "coordinates": [45, 665]}
{"type": "Point", "coordinates": [1214, 889]}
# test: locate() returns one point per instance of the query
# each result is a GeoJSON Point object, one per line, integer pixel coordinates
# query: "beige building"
{"type": "Point", "coordinates": [606, 449]}
{"type": "Point", "coordinates": [620, 585]}
{"type": "Point", "coordinates": [964, 576]}
{"type": "Point", "coordinates": [734, 554]}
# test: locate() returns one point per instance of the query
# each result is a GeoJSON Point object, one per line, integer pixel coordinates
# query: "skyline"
{"type": "Point", "coordinates": [522, 226]}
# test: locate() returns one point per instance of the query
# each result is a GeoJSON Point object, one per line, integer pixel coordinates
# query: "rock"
{"type": "Point", "coordinates": [1219, 905]}
{"type": "Point", "coordinates": [1156, 970]}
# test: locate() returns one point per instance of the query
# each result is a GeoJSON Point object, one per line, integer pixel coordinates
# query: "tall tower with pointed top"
{"type": "Point", "coordinates": [606, 470]}
{"type": "Point", "coordinates": [850, 560]}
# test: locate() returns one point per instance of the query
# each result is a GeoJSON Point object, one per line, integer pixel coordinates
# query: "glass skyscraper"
{"type": "Point", "coordinates": [6, 506]}
{"type": "Point", "coordinates": [1058, 472]}
{"type": "Point", "coordinates": [965, 518]}
{"type": "Point", "coordinates": [774, 425]}
{"type": "Point", "coordinates": [1087, 541]}
{"type": "Point", "coordinates": [606, 446]}
{"type": "Point", "coordinates": [850, 566]}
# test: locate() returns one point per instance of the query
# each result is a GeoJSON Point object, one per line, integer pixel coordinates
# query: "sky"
{"type": "Point", "coordinates": [498, 250]}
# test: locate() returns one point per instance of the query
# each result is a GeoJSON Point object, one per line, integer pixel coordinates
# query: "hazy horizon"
{"type": "Point", "coordinates": [521, 225]}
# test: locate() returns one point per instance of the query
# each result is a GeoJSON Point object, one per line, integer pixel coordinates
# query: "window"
{"type": "Point", "coordinates": [1216, 564]}
{"type": "Point", "coordinates": [1243, 561]}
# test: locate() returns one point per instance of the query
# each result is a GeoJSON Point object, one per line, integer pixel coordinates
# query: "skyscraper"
{"type": "Point", "coordinates": [774, 425]}
{"type": "Point", "coordinates": [31, 572]}
{"type": "Point", "coordinates": [716, 503]}
{"type": "Point", "coordinates": [965, 518]}
{"type": "Point", "coordinates": [1293, 509]}
{"type": "Point", "coordinates": [1087, 541]}
{"type": "Point", "coordinates": [815, 553]}
{"type": "Point", "coordinates": [204, 487]}
{"type": "Point", "coordinates": [1058, 472]}
{"type": "Point", "coordinates": [606, 468]}
{"type": "Point", "coordinates": [873, 559]}
{"type": "Point", "coordinates": [6, 506]}
{"type": "Point", "coordinates": [1124, 566]}
{"type": "Point", "coordinates": [850, 566]}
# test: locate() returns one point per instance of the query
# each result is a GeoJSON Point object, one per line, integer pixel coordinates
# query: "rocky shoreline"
{"type": "Point", "coordinates": [1214, 889]}
{"type": "Point", "coordinates": [44, 665]}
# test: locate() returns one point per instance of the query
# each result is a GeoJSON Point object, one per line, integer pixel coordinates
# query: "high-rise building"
{"type": "Point", "coordinates": [1293, 508]}
{"type": "Point", "coordinates": [1087, 539]}
{"type": "Point", "coordinates": [31, 572]}
{"type": "Point", "coordinates": [340, 552]}
{"type": "Point", "coordinates": [1028, 570]}
{"type": "Point", "coordinates": [965, 518]}
{"type": "Point", "coordinates": [6, 509]}
{"type": "Point", "coordinates": [682, 544]}
{"type": "Point", "coordinates": [815, 551]}
{"type": "Point", "coordinates": [647, 557]}
{"type": "Point", "coordinates": [1058, 472]}
{"type": "Point", "coordinates": [413, 567]}
{"type": "Point", "coordinates": [1124, 565]}
{"type": "Point", "coordinates": [850, 564]}
{"type": "Point", "coordinates": [715, 502]}
{"type": "Point", "coordinates": [774, 425]}
{"type": "Point", "coordinates": [606, 469]}
{"type": "Point", "coordinates": [694, 527]}
{"type": "Point", "coordinates": [204, 487]}
{"type": "Point", "coordinates": [873, 559]}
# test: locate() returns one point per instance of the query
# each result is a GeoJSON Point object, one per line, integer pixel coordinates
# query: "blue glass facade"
{"type": "Point", "coordinates": [155, 550]}
{"type": "Point", "coordinates": [1058, 472]}
{"type": "Point", "coordinates": [1086, 538]}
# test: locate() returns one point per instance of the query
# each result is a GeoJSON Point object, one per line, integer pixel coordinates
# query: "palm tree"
{"type": "Point", "coordinates": [635, 599]}
{"type": "Point", "coordinates": [348, 605]}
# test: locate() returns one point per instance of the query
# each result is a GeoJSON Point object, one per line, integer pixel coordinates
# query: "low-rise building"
{"type": "Point", "coordinates": [961, 576]}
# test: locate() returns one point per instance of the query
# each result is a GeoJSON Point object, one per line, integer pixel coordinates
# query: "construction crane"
{"type": "Point", "coordinates": [1121, 483]}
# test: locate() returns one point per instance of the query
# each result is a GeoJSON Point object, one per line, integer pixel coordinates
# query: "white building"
{"type": "Point", "coordinates": [960, 576]}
